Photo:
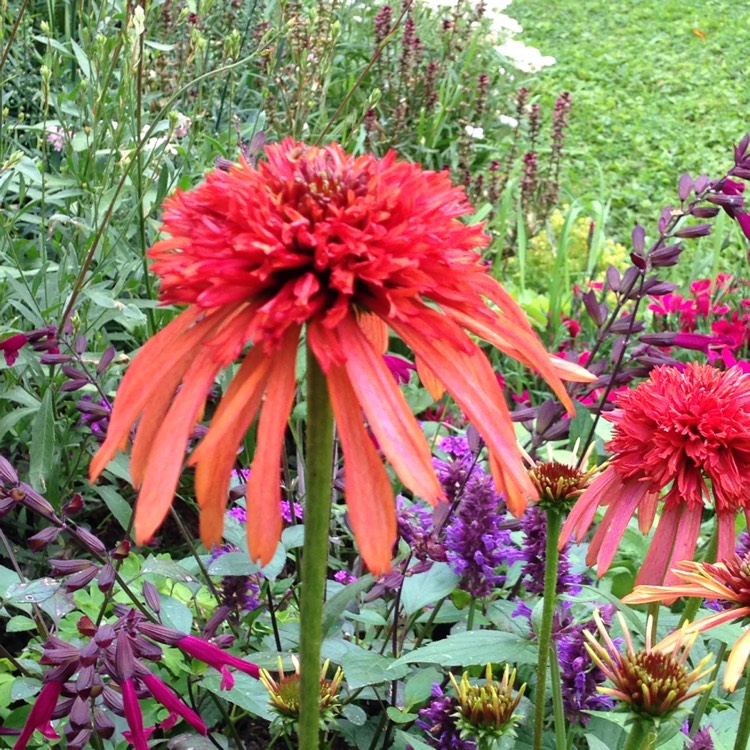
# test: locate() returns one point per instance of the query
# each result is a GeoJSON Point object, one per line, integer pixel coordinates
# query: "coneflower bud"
{"type": "Point", "coordinates": [487, 712]}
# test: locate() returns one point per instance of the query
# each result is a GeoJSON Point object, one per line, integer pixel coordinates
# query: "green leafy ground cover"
{"type": "Point", "coordinates": [653, 84]}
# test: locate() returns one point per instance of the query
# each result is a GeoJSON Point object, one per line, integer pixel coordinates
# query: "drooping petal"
{"type": "Point", "coordinates": [171, 348]}
{"type": "Point", "coordinates": [518, 343]}
{"type": "Point", "coordinates": [737, 658]}
{"type": "Point", "coordinates": [217, 452]}
{"type": "Point", "coordinates": [607, 538]}
{"type": "Point", "coordinates": [468, 377]}
{"type": "Point", "coordinates": [674, 540]}
{"type": "Point", "coordinates": [167, 454]}
{"type": "Point", "coordinates": [434, 387]}
{"type": "Point", "coordinates": [607, 484]}
{"type": "Point", "coordinates": [263, 487]}
{"type": "Point", "coordinates": [385, 407]}
{"type": "Point", "coordinates": [726, 535]}
{"type": "Point", "coordinates": [368, 491]}
{"type": "Point", "coordinates": [375, 330]}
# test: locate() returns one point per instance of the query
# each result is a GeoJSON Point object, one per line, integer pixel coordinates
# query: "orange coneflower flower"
{"type": "Point", "coordinates": [725, 582]}
{"type": "Point", "coordinates": [678, 428]}
{"type": "Point", "coordinates": [347, 247]}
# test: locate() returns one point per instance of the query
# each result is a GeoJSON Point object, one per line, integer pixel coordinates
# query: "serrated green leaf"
{"type": "Point", "coordinates": [42, 447]}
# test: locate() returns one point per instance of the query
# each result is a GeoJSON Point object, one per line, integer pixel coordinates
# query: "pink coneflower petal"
{"type": "Point", "coordinates": [674, 540]}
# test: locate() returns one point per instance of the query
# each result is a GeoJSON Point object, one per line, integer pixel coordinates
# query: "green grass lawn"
{"type": "Point", "coordinates": [659, 87]}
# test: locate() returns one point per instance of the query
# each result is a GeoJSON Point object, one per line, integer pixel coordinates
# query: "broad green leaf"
{"type": "Point", "coordinates": [233, 564]}
{"type": "Point", "coordinates": [175, 614]}
{"type": "Point", "coordinates": [247, 693]}
{"type": "Point", "coordinates": [363, 667]}
{"type": "Point", "coordinates": [120, 508]}
{"type": "Point", "coordinates": [335, 606]}
{"type": "Point", "coordinates": [20, 623]}
{"type": "Point", "coordinates": [427, 588]}
{"type": "Point", "coordinates": [473, 647]}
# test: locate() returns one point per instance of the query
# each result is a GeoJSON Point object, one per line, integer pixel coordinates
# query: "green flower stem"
{"type": "Point", "coordinates": [743, 730]}
{"type": "Point", "coordinates": [552, 559]}
{"type": "Point", "coordinates": [561, 736]}
{"type": "Point", "coordinates": [700, 707]}
{"type": "Point", "coordinates": [318, 483]}
{"type": "Point", "coordinates": [641, 736]}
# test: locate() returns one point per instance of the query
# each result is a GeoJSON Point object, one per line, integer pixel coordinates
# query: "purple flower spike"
{"type": "Point", "coordinates": [41, 713]}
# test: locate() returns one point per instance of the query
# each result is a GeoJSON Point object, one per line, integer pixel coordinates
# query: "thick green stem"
{"type": "Point", "coordinates": [641, 736]}
{"type": "Point", "coordinates": [318, 482]}
{"type": "Point", "coordinates": [743, 730]}
{"type": "Point", "coordinates": [561, 737]}
{"type": "Point", "coordinates": [551, 561]}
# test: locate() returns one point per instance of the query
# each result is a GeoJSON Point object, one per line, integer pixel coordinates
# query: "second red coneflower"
{"type": "Point", "coordinates": [346, 247]}
{"type": "Point", "coordinates": [677, 429]}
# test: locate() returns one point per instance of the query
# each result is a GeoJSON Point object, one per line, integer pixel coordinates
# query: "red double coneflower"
{"type": "Point", "coordinates": [677, 429]}
{"type": "Point", "coordinates": [347, 248]}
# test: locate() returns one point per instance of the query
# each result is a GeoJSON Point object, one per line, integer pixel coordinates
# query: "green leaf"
{"type": "Point", "coordinates": [42, 448]}
{"type": "Point", "coordinates": [293, 536]}
{"type": "Point", "coordinates": [233, 564]}
{"type": "Point", "coordinates": [473, 647]}
{"type": "Point", "coordinates": [23, 687]}
{"type": "Point", "coordinates": [335, 606]}
{"type": "Point", "coordinates": [120, 508]}
{"type": "Point", "coordinates": [247, 693]}
{"type": "Point", "coordinates": [175, 614]}
{"type": "Point", "coordinates": [20, 623]}
{"type": "Point", "coordinates": [418, 687]}
{"type": "Point", "coordinates": [363, 667]}
{"type": "Point", "coordinates": [429, 587]}
{"type": "Point", "coordinates": [397, 716]}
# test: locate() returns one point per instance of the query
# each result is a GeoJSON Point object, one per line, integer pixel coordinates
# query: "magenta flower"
{"type": "Point", "coordinates": [41, 713]}
{"type": "Point", "coordinates": [11, 346]}
{"type": "Point", "coordinates": [170, 700]}
{"type": "Point", "coordinates": [214, 656]}
{"type": "Point", "coordinates": [137, 736]}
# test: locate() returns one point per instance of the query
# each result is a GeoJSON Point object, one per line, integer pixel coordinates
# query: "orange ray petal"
{"type": "Point", "coordinates": [169, 349]}
{"type": "Point", "coordinates": [369, 495]}
{"type": "Point", "coordinates": [470, 380]}
{"type": "Point", "coordinates": [434, 387]}
{"type": "Point", "coordinates": [217, 453]}
{"type": "Point", "coordinates": [519, 344]}
{"type": "Point", "coordinates": [570, 371]}
{"type": "Point", "coordinates": [387, 412]}
{"type": "Point", "coordinates": [375, 330]}
{"type": "Point", "coordinates": [168, 449]}
{"type": "Point", "coordinates": [736, 662]}
{"type": "Point", "coordinates": [263, 487]}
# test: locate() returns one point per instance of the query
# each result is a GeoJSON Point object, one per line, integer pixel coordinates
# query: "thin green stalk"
{"type": "Point", "coordinates": [641, 736]}
{"type": "Point", "coordinates": [318, 482]}
{"type": "Point", "coordinates": [561, 736]}
{"type": "Point", "coordinates": [700, 707]}
{"type": "Point", "coordinates": [743, 730]}
{"type": "Point", "coordinates": [472, 613]}
{"type": "Point", "coordinates": [552, 559]}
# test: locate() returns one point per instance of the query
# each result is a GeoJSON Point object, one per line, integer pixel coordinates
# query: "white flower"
{"type": "Point", "coordinates": [511, 122]}
{"type": "Point", "coordinates": [524, 57]}
{"type": "Point", "coordinates": [500, 23]}
{"type": "Point", "coordinates": [473, 132]}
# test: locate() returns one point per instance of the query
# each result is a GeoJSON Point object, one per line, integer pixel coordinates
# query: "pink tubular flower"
{"type": "Point", "coordinates": [344, 248]}
{"type": "Point", "coordinates": [217, 658]}
{"type": "Point", "coordinates": [674, 430]}
{"type": "Point", "coordinates": [41, 713]}
{"type": "Point", "coordinates": [11, 346]}
{"type": "Point", "coordinates": [169, 699]}
{"type": "Point", "coordinates": [137, 736]}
